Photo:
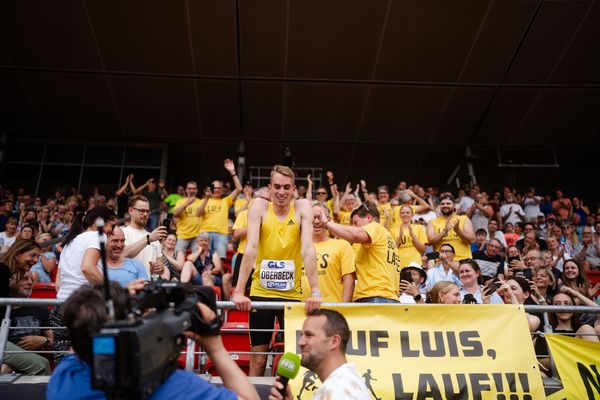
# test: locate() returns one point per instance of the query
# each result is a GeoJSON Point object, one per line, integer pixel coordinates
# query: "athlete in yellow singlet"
{"type": "Point", "coordinates": [279, 243]}
{"type": "Point", "coordinates": [240, 230]}
{"type": "Point", "coordinates": [449, 228]}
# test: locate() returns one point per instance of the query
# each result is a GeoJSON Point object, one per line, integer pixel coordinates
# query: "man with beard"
{"type": "Point", "coordinates": [449, 228]}
{"type": "Point", "coordinates": [139, 243]}
{"type": "Point", "coordinates": [325, 334]}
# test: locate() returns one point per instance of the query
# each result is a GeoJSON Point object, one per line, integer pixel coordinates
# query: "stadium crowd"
{"type": "Point", "coordinates": [410, 244]}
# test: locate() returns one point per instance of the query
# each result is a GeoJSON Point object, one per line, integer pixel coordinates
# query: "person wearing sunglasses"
{"type": "Point", "coordinates": [377, 261]}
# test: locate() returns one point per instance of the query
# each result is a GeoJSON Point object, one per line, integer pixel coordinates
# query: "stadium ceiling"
{"type": "Point", "coordinates": [382, 89]}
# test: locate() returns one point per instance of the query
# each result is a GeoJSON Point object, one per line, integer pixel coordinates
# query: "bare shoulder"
{"type": "Point", "coordinates": [258, 208]}
{"type": "Point", "coordinates": [302, 204]}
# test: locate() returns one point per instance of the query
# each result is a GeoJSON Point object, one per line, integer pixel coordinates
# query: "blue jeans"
{"type": "Point", "coordinates": [183, 244]}
{"type": "Point", "coordinates": [218, 243]}
{"type": "Point", "coordinates": [378, 300]}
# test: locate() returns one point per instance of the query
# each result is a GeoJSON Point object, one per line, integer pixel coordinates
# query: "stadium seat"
{"type": "Point", "coordinates": [594, 277]}
{"type": "Point", "coordinates": [237, 316]}
{"type": "Point", "coordinates": [43, 291]}
{"type": "Point", "coordinates": [234, 342]}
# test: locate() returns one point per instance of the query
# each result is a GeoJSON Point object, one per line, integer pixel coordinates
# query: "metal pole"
{"type": "Point", "coordinates": [4, 332]}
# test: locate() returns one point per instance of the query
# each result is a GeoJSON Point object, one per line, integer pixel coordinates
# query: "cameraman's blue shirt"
{"type": "Point", "coordinates": [72, 380]}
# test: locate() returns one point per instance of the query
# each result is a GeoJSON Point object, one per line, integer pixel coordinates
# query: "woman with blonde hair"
{"type": "Point", "coordinates": [444, 292]}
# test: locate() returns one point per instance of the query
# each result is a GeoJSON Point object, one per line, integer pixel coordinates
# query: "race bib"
{"type": "Point", "coordinates": [277, 274]}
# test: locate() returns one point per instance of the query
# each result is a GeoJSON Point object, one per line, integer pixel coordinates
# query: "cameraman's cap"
{"type": "Point", "coordinates": [416, 266]}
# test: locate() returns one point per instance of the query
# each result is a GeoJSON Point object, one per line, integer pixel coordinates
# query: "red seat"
{"type": "Point", "coordinates": [43, 291]}
{"type": "Point", "coordinates": [237, 316]}
{"type": "Point", "coordinates": [594, 277]}
{"type": "Point", "coordinates": [234, 342]}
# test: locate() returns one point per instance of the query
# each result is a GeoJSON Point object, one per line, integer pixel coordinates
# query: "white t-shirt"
{"type": "Point", "coordinates": [531, 206]}
{"type": "Point", "coordinates": [148, 253]}
{"type": "Point", "coordinates": [464, 204]}
{"type": "Point", "coordinates": [71, 276]}
{"type": "Point", "coordinates": [343, 383]}
{"type": "Point", "coordinates": [516, 209]}
{"type": "Point", "coordinates": [5, 240]}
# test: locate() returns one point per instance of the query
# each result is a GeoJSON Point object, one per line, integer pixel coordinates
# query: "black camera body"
{"type": "Point", "coordinates": [132, 357]}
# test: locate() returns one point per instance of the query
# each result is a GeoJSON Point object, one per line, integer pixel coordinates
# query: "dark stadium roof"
{"type": "Point", "coordinates": [385, 90]}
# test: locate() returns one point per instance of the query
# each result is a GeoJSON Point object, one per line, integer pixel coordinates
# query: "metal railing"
{"type": "Point", "coordinates": [192, 354]}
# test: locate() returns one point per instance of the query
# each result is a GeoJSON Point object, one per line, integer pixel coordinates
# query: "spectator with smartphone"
{"type": "Point", "coordinates": [140, 244]}
{"type": "Point", "coordinates": [447, 270]}
{"type": "Point", "coordinates": [489, 260]}
{"type": "Point", "coordinates": [412, 284]}
{"type": "Point", "coordinates": [471, 288]}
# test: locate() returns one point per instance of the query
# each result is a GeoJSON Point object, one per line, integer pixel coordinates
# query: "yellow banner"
{"type": "Point", "coordinates": [578, 364]}
{"type": "Point", "coordinates": [432, 352]}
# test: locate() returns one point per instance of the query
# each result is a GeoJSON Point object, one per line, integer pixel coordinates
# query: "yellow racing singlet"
{"type": "Point", "coordinates": [278, 266]}
{"type": "Point", "coordinates": [462, 249]}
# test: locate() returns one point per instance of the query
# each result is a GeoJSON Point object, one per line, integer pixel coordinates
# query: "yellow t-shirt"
{"type": "Point", "coordinates": [215, 215]}
{"type": "Point", "coordinates": [335, 259]}
{"type": "Point", "coordinates": [344, 217]}
{"type": "Point", "coordinates": [396, 221]}
{"type": "Point", "coordinates": [239, 203]}
{"type": "Point", "coordinates": [462, 249]}
{"type": "Point", "coordinates": [241, 222]}
{"type": "Point", "coordinates": [188, 224]}
{"type": "Point", "coordinates": [383, 220]}
{"type": "Point", "coordinates": [278, 268]}
{"type": "Point", "coordinates": [377, 265]}
{"type": "Point", "coordinates": [407, 250]}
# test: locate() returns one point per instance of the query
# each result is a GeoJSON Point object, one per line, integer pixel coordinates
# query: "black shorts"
{"type": "Point", "coordinates": [264, 319]}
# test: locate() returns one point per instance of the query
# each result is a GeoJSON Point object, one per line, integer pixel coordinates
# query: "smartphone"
{"type": "Point", "coordinates": [211, 187]}
{"type": "Point", "coordinates": [515, 258]}
{"type": "Point", "coordinates": [167, 223]}
{"type": "Point", "coordinates": [406, 276]}
{"type": "Point", "coordinates": [492, 287]}
{"type": "Point", "coordinates": [434, 255]}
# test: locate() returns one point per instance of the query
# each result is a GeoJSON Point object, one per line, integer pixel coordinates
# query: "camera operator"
{"type": "Point", "coordinates": [85, 314]}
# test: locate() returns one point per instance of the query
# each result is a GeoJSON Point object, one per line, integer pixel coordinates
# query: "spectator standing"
{"type": "Point", "coordinates": [154, 194]}
{"type": "Point", "coordinates": [562, 206]}
{"type": "Point", "coordinates": [140, 244]}
{"type": "Point", "coordinates": [452, 229]}
{"type": "Point", "coordinates": [471, 287]}
{"type": "Point", "coordinates": [377, 262]}
{"type": "Point", "coordinates": [511, 212]}
{"type": "Point", "coordinates": [410, 238]}
{"type": "Point", "coordinates": [335, 262]}
{"type": "Point", "coordinates": [172, 199]}
{"type": "Point", "coordinates": [531, 205]}
{"type": "Point", "coordinates": [214, 215]}
{"type": "Point", "coordinates": [186, 213]}
{"type": "Point", "coordinates": [123, 194]}
{"type": "Point", "coordinates": [480, 213]}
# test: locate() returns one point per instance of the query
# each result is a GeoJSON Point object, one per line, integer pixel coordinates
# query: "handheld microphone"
{"type": "Point", "coordinates": [288, 368]}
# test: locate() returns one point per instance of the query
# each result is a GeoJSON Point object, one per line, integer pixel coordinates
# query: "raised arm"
{"type": "Point", "coordinates": [309, 188]}
{"type": "Point", "coordinates": [422, 204]}
{"type": "Point", "coordinates": [230, 167]}
{"type": "Point", "coordinates": [141, 188]}
{"type": "Point", "coordinates": [123, 188]}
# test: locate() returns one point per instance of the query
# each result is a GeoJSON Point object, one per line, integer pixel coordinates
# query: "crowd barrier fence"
{"type": "Point", "coordinates": [198, 357]}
